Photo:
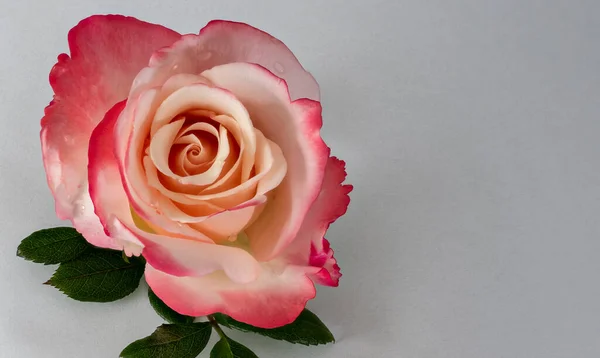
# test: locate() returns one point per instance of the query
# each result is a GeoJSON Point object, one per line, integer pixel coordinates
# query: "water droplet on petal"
{"type": "Point", "coordinates": [205, 55]}
{"type": "Point", "coordinates": [136, 81]}
{"type": "Point", "coordinates": [278, 67]}
{"type": "Point", "coordinates": [69, 139]}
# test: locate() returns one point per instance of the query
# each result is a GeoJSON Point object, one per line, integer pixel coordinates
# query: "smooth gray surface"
{"type": "Point", "coordinates": [471, 132]}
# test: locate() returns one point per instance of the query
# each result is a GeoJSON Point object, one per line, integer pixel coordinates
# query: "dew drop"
{"type": "Point", "coordinates": [154, 203]}
{"type": "Point", "coordinates": [69, 139]}
{"type": "Point", "coordinates": [278, 67]}
{"type": "Point", "coordinates": [136, 81]}
{"type": "Point", "coordinates": [205, 55]}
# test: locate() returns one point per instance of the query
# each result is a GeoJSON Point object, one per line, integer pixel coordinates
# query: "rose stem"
{"type": "Point", "coordinates": [216, 326]}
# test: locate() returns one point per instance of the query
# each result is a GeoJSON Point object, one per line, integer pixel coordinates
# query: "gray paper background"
{"type": "Point", "coordinates": [470, 129]}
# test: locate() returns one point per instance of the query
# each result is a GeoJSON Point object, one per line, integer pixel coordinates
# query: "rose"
{"type": "Point", "coordinates": [203, 154]}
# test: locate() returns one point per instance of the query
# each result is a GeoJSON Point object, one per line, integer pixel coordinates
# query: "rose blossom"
{"type": "Point", "coordinates": [203, 154]}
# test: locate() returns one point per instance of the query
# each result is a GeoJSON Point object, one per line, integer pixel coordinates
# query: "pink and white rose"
{"type": "Point", "coordinates": [202, 153]}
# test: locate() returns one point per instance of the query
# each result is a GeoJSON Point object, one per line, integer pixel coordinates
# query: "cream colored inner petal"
{"type": "Point", "coordinates": [178, 156]}
{"type": "Point", "coordinates": [233, 176]}
{"type": "Point", "coordinates": [203, 156]}
{"type": "Point", "coordinates": [200, 153]}
{"type": "Point", "coordinates": [213, 172]}
{"type": "Point", "coordinates": [191, 157]}
{"type": "Point", "coordinates": [269, 157]}
{"type": "Point", "coordinates": [208, 99]}
{"type": "Point", "coordinates": [160, 146]}
{"type": "Point", "coordinates": [194, 153]}
{"type": "Point", "coordinates": [152, 175]}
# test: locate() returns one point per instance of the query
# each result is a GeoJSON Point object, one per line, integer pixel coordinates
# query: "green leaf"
{"type": "Point", "coordinates": [166, 312]}
{"type": "Point", "coordinates": [221, 349]}
{"type": "Point", "coordinates": [98, 276]}
{"type": "Point", "coordinates": [52, 246]}
{"type": "Point", "coordinates": [228, 348]}
{"type": "Point", "coordinates": [171, 341]}
{"type": "Point", "coordinates": [307, 329]}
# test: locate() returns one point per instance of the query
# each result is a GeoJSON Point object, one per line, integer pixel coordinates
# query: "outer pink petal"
{"type": "Point", "coordinates": [184, 257]}
{"type": "Point", "coordinates": [295, 127]}
{"type": "Point", "coordinates": [106, 190]}
{"type": "Point", "coordinates": [310, 246]}
{"type": "Point", "coordinates": [222, 42]}
{"type": "Point", "coordinates": [87, 223]}
{"type": "Point", "coordinates": [106, 54]}
{"type": "Point", "coordinates": [239, 42]}
{"type": "Point", "coordinates": [275, 299]}
{"type": "Point", "coordinates": [329, 274]}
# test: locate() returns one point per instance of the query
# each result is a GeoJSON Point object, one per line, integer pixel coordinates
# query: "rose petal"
{"type": "Point", "coordinates": [225, 224]}
{"type": "Point", "coordinates": [245, 201]}
{"type": "Point", "coordinates": [189, 155]}
{"type": "Point", "coordinates": [270, 167]}
{"type": "Point", "coordinates": [295, 127]}
{"type": "Point", "coordinates": [329, 274]}
{"type": "Point", "coordinates": [222, 42]}
{"type": "Point", "coordinates": [275, 299]}
{"type": "Point", "coordinates": [206, 149]}
{"type": "Point", "coordinates": [221, 224]}
{"type": "Point", "coordinates": [106, 53]}
{"type": "Point", "coordinates": [154, 181]}
{"type": "Point", "coordinates": [106, 190]}
{"type": "Point", "coordinates": [134, 126]}
{"type": "Point", "coordinates": [160, 147]}
{"type": "Point", "coordinates": [145, 200]}
{"type": "Point", "coordinates": [214, 99]}
{"type": "Point", "coordinates": [331, 203]}
{"type": "Point", "coordinates": [232, 176]}
{"type": "Point", "coordinates": [310, 246]}
{"type": "Point", "coordinates": [183, 257]}
{"type": "Point", "coordinates": [88, 224]}
{"type": "Point", "coordinates": [231, 42]}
